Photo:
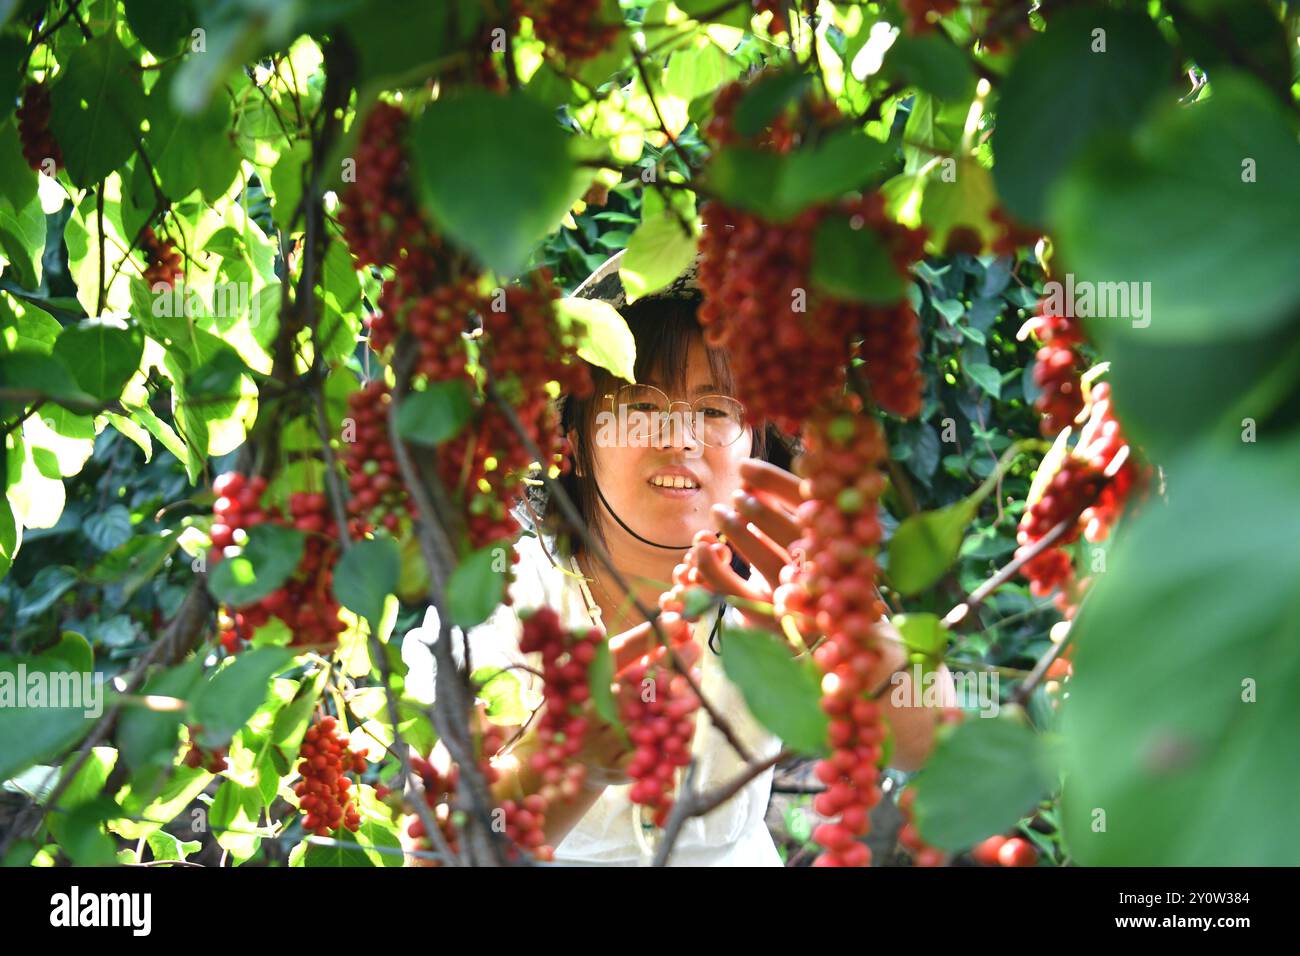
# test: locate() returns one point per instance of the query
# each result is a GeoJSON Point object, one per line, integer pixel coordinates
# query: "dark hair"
{"type": "Point", "coordinates": [663, 329]}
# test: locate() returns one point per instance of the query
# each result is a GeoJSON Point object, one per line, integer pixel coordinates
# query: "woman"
{"type": "Point", "coordinates": [643, 493]}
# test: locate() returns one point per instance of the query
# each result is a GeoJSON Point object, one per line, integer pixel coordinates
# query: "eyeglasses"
{"type": "Point", "coordinates": [714, 420]}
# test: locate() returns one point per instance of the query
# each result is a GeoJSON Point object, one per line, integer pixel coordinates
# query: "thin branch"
{"type": "Point", "coordinates": [692, 803]}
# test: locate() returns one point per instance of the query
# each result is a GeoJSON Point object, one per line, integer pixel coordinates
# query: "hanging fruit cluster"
{"type": "Point", "coordinates": [1058, 370]}
{"type": "Point", "coordinates": [516, 333]}
{"type": "Point", "coordinates": [523, 820]}
{"type": "Point", "coordinates": [1093, 481]}
{"type": "Point", "coordinates": [323, 793]}
{"type": "Point", "coordinates": [833, 583]}
{"type": "Point", "coordinates": [38, 141]}
{"type": "Point", "coordinates": [379, 499]}
{"type": "Point", "coordinates": [571, 29]}
{"type": "Point", "coordinates": [163, 263]}
{"type": "Point", "coordinates": [658, 709]}
{"type": "Point", "coordinates": [759, 302]}
{"type": "Point", "coordinates": [305, 602]}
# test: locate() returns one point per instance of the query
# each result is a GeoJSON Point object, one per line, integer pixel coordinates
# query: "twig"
{"type": "Point", "coordinates": [692, 803]}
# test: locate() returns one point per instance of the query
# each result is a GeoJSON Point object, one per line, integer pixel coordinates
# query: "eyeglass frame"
{"type": "Point", "coordinates": [691, 405]}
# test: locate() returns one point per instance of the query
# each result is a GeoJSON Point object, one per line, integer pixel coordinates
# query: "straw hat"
{"type": "Point", "coordinates": [606, 285]}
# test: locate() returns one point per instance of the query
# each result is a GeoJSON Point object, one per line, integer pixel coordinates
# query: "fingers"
{"type": "Point", "coordinates": [718, 575]}
{"type": "Point", "coordinates": [757, 549]}
{"type": "Point", "coordinates": [773, 520]}
{"type": "Point", "coordinates": [767, 478]}
{"type": "Point", "coordinates": [633, 643]}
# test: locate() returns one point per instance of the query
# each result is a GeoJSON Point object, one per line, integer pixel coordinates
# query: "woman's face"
{"type": "Point", "coordinates": [638, 472]}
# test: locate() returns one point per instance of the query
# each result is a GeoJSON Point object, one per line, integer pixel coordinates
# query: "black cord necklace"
{"type": "Point", "coordinates": [653, 544]}
{"type": "Point", "coordinates": [737, 562]}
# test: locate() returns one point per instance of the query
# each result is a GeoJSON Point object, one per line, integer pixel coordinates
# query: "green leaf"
{"type": "Point", "coordinates": [765, 99]}
{"type": "Point", "coordinates": [827, 169]}
{"type": "Point", "coordinates": [501, 689]}
{"type": "Point", "coordinates": [405, 38]}
{"type": "Point", "coordinates": [225, 703]}
{"type": "Point", "coordinates": [980, 781]}
{"type": "Point", "coordinates": [108, 528]}
{"type": "Point", "coordinates": [365, 576]}
{"type": "Point", "coordinates": [509, 181]}
{"type": "Point", "coordinates": [270, 556]}
{"type": "Point", "coordinates": [1060, 94]}
{"type": "Point", "coordinates": [1209, 252]}
{"type": "Point", "coordinates": [780, 187]}
{"type": "Point", "coordinates": [190, 152]}
{"type": "Point", "coordinates": [923, 634]}
{"type": "Point", "coordinates": [782, 693]}
{"type": "Point", "coordinates": [286, 182]}
{"type": "Point", "coordinates": [164, 846]}
{"type": "Point", "coordinates": [148, 737]}
{"type": "Point", "coordinates": [985, 376]}
{"type": "Point", "coordinates": [600, 678]}
{"type": "Point", "coordinates": [95, 109]}
{"type": "Point", "coordinates": [161, 25]}
{"type": "Point", "coordinates": [435, 415]}
{"type": "Point", "coordinates": [658, 252]}
{"type": "Point", "coordinates": [1197, 767]}
{"type": "Point", "coordinates": [854, 264]}
{"type": "Point", "coordinates": [477, 586]}
{"type": "Point", "coordinates": [344, 852]}
{"type": "Point", "coordinates": [925, 546]}
{"type": "Point", "coordinates": [604, 339]}
{"type": "Point", "coordinates": [83, 789]}
{"type": "Point", "coordinates": [932, 63]}
{"type": "Point", "coordinates": [36, 371]}
{"type": "Point", "coordinates": [33, 732]}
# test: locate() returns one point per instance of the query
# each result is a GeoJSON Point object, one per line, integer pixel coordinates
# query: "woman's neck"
{"type": "Point", "coordinates": [647, 572]}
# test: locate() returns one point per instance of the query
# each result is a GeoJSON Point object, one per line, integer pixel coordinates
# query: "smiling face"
{"type": "Point", "coordinates": [663, 485]}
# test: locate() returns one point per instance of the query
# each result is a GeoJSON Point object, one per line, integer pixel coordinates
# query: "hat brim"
{"type": "Point", "coordinates": [606, 285]}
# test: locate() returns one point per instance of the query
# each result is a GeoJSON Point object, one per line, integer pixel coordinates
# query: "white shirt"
{"type": "Point", "coordinates": [733, 834]}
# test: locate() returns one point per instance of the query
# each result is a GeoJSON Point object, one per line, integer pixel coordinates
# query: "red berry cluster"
{"type": "Point", "coordinates": [163, 261]}
{"type": "Point", "coordinates": [1005, 851]}
{"type": "Point", "coordinates": [323, 790]}
{"type": "Point", "coordinates": [305, 603]}
{"type": "Point", "coordinates": [1073, 486]}
{"type": "Point", "coordinates": [658, 708]}
{"type": "Point", "coordinates": [571, 29]}
{"type": "Point", "coordinates": [1058, 370]}
{"type": "Point", "coordinates": [782, 135]}
{"type": "Point", "coordinates": [381, 221]}
{"type": "Point", "coordinates": [524, 347]}
{"type": "Point", "coordinates": [752, 271]}
{"type": "Point", "coordinates": [566, 656]}
{"type": "Point", "coordinates": [832, 581]}
{"type": "Point", "coordinates": [1095, 481]}
{"type": "Point", "coordinates": [38, 142]}
{"type": "Point", "coordinates": [213, 761]}
{"type": "Point", "coordinates": [378, 495]}
{"type": "Point", "coordinates": [1102, 443]}
{"type": "Point", "coordinates": [439, 794]}
{"type": "Point", "coordinates": [910, 837]}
